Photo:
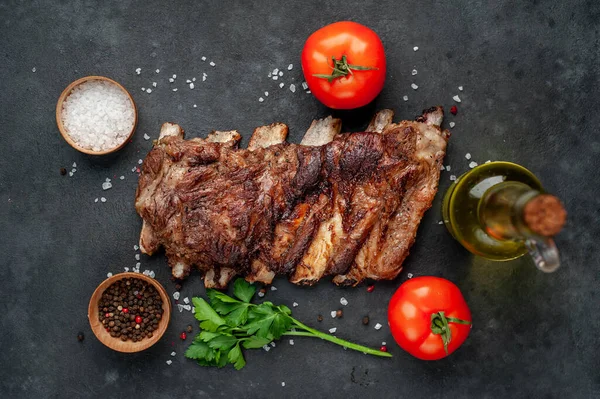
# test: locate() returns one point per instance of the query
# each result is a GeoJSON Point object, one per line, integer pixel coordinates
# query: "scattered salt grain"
{"type": "Point", "coordinates": [138, 70]}
{"type": "Point", "coordinates": [195, 106]}
{"type": "Point", "coordinates": [260, 99]}
{"type": "Point", "coordinates": [126, 269]}
{"type": "Point", "coordinates": [405, 98]}
{"type": "Point", "coordinates": [135, 247]}
{"type": "Point", "coordinates": [414, 72]}
{"type": "Point", "coordinates": [154, 84]}
{"type": "Point", "coordinates": [290, 67]}
{"type": "Point", "coordinates": [96, 200]}
{"type": "Point", "coordinates": [146, 137]}
{"type": "Point", "coordinates": [176, 295]}
{"type": "Point", "coordinates": [107, 179]}
{"type": "Point", "coordinates": [275, 77]}
{"type": "Point", "coordinates": [106, 185]}
{"type": "Point", "coordinates": [203, 58]}
{"type": "Point", "coordinates": [73, 170]}
{"type": "Point", "coordinates": [282, 383]}
{"type": "Point", "coordinates": [33, 69]}
{"type": "Point", "coordinates": [137, 265]}
{"type": "Point", "coordinates": [275, 71]}
{"type": "Point", "coordinates": [187, 307]}
{"type": "Point", "coordinates": [143, 89]}
{"type": "Point", "coordinates": [460, 88]}
{"type": "Point", "coordinates": [468, 155]}
{"type": "Point", "coordinates": [148, 91]}
{"type": "Point", "coordinates": [169, 362]}
{"type": "Point", "coordinates": [70, 174]}
{"type": "Point", "coordinates": [171, 80]}
{"type": "Point", "coordinates": [137, 256]}
{"type": "Point", "coordinates": [204, 77]}
{"type": "Point", "coordinates": [332, 330]}
{"type": "Point", "coordinates": [191, 86]}
{"type": "Point", "coordinates": [441, 222]}
{"type": "Point", "coordinates": [266, 348]}
{"type": "Point", "coordinates": [304, 85]}
{"type": "Point", "coordinates": [180, 308]}
{"type": "Point", "coordinates": [281, 85]}
{"type": "Point", "coordinates": [378, 326]}
{"type": "Point", "coordinates": [193, 79]}
{"type": "Point", "coordinates": [152, 274]}
{"type": "Point", "coordinates": [186, 300]}
{"type": "Point", "coordinates": [188, 81]}
{"type": "Point", "coordinates": [157, 71]}
{"type": "Point", "coordinates": [488, 161]}
{"type": "Point", "coordinates": [410, 275]}
{"type": "Point", "coordinates": [456, 98]}
{"type": "Point", "coordinates": [273, 288]}
{"type": "Point", "coordinates": [472, 164]}
{"type": "Point", "coordinates": [295, 304]}
{"type": "Point", "coordinates": [121, 177]}
{"type": "Point", "coordinates": [333, 314]}
{"type": "Point", "coordinates": [452, 124]}
{"type": "Point", "coordinates": [102, 199]}
{"type": "Point", "coordinates": [448, 168]}
{"type": "Point", "coordinates": [293, 88]}
{"type": "Point", "coordinates": [140, 161]}
{"type": "Point", "coordinates": [109, 274]}
{"type": "Point", "coordinates": [308, 91]}
{"type": "Point", "coordinates": [174, 76]}
{"type": "Point", "coordinates": [273, 344]}
{"type": "Point", "coordinates": [261, 294]}
{"type": "Point", "coordinates": [98, 115]}
{"type": "Point", "coordinates": [343, 301]}
{"type": "Point", "coordinates": [269, 74]}
{"type": "Point", "coordinates": [452, 177]}
{"type": "Point", "coordinates": [280, 73]}
{"type": "Point", "coordinates": [415, 48]}
{"type": "Point", "coordinates": [212, 64]}
{"type": "Point", "coordinates": [175, 89]}
{"type": "Point", "coordinates": [74, 164]}
{"type": "Point", "coordinates": [442, 167]}
{"type": "Point", "coordinates": [173, 353]}
{"type": "Point", "coordinates": [291, 342]}
{"type": "Point", "coordinates": [266, 94]}
{"type": "Point", "coordinates": [414, 86]}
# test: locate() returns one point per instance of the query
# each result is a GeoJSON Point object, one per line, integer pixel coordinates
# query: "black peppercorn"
{"type": "Point", "coordinates": [63, 171]}
{"type": "Point", "coordinates": [80, 337]}
{"type": "Point", "coordinates": [365, 320]}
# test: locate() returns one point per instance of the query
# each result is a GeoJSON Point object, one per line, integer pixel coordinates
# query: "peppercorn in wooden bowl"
{"type": "Point", "coordinates": [124, 315]}
{"type": "Point", "coordinates": [96, 115]}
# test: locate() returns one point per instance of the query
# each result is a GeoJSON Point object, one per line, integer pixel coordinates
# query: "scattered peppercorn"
{"type": "Point", "coordinates": [319, 318]}
{"type": "Point", "coordinates": [339, 313]}
{"type": "Point", "coordinates": [365, 320]}
{"type": "Point", "coordinates": [453, 110]}
{"type": "Point", "coordinates": [80, 337]}
{"type": "Point", "coordinates": [183, 335]}
{"type": "Point", "coordinates": [177, 287]}
{"type": "Point", "coordinates": [63, 171]}
{"type": "Point", "coordinates": [130, 309]}
{"type": "Point", "coordinates": [263, 290]}
{"type": "Point", "coordinates": [370, 288]}
{"type": "Point", "coordinates": [189, 329]}
{"type": "Point", "coordinates": [383, 348]}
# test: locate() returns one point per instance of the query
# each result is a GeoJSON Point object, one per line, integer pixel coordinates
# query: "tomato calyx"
{"type": "Point", "coordinates": [439, 326]}
{"type": "Point", "coordinates": [341, 68]}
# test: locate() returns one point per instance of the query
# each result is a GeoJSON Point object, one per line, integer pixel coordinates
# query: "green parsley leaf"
{"type": "Point", "coordinates": [210, 320]}
{"type": "Point", "coordinates": [235, 356]}
{"type": "Point", "coordinates": [254, 342]}
{"type": "Point", "coordinates": [243, 290]}
{"type": "Point", "coordinates": [206, 336]}
{"type": "Point", "coordinates": [238, 316]}
{"type": "Point", "coordinates": [222, 341]}
{"type": "Point", "coordinates": [268, 321]}
{"type": "Point", "coordinates": [197, 350]}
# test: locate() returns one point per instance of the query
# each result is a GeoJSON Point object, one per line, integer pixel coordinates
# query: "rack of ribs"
{"type": "Point", "coordinates": [342, 205]}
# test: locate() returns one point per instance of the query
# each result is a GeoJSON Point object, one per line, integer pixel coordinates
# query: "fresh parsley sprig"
{"type": "Point", "coordinates": [229, 324]}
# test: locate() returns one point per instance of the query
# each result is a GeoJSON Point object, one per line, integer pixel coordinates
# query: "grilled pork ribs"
{"type": "Point", "coordinates": [346, 205]}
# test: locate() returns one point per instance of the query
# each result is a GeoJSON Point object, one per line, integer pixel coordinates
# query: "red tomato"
{"type": "Point", "coordinates": [359, 60]}
{"type": "Point", "coordinates": [429, 317]}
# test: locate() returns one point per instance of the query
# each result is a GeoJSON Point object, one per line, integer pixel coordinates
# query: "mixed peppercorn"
{"type": "Point", "coordinates": [130, 309]}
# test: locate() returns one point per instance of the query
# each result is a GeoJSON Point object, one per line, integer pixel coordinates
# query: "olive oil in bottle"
{"type": "Point", "coordinates": [499, 211]}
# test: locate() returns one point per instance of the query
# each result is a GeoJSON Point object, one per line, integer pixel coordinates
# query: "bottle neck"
{"type": "Point", "coordinates": [514, 211]}
{"type": "Point", "coordinates": [501, 210]}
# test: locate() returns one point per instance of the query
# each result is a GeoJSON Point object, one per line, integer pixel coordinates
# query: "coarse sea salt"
{"type": "Point", "coordinates": [456, 98]}
{"type": "Point", "coordinates": [273, 288]}
{"type": "Point", "coordinates": [332, 330]}
{"type": "Point", "coordinates": [472, 164]}
{"type": "Point", "coordinates": [378, 326]}
{"type": "Point", "coordinates": [405, 98]}
{"type": "Point", "coordinates": [106, 185]}
{"type": "Point", "coordinates": [291, 342]}
{"type": "Point", "coordinates": [452, 124]}
{"type": "Point", "coordinates": [414, 72]}
{"type": "Point", "coordinates": [146, 137]}
{"type": "Point", "coordinates": [281, 85]}
{"type": "Point", "coordinates": [293, 88]}
{"type": "Point", "coordinates": [295, 304]}
{"type": "Point", "coordinates": [102, 199]}
{"type": "Point", "coordinates": [414, 86]}
{"type": "Point", "coordinates": [98, 115]}
{"type": "Point", "coordinates": [176, 295]}
{"type": "Point", "coordinates": [468, 155]}
{"type": "Point", "coordinates": [333, 314]}
{"type": "Point", "coordinates": [343, 301]}
{"type": "Point", "coordinates": [290, 67]}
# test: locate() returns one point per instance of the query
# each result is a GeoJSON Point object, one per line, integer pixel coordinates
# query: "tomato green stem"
{"type": "Point", "coordinates": [311, 332]}
{"type": "Point", "coordinates": [439, 326]}
{"type": "Point", "coordinates": [341, 68]}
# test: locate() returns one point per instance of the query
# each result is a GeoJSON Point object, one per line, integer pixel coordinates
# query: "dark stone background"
{"type": "Point", "coordinates": [531, 83]}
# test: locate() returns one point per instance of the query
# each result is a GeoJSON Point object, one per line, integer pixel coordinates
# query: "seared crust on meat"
{"type": "Point", "coordinates": [346, 205]}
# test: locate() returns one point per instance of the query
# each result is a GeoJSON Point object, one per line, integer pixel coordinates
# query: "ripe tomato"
{"type": "Point", "coordinates": [429, 317]}
{"type": "Point", "coordinates": [344, 65]}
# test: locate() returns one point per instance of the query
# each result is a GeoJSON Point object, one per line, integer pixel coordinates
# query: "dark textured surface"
{"type": "Point", "coordinates": [531, 83]}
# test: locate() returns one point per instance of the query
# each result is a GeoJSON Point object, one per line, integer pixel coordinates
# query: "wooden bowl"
{"type": "Point", "coordinates": [59, 106]}
{"type": "Point", "coordinates": [116, 343]}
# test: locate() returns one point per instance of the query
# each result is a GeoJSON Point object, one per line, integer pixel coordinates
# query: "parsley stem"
{"type": "Point", "coordinates": [311, 332]}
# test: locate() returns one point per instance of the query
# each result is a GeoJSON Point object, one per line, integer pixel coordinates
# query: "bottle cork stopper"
{"type": "Point", "coordinates": [545, 215]}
